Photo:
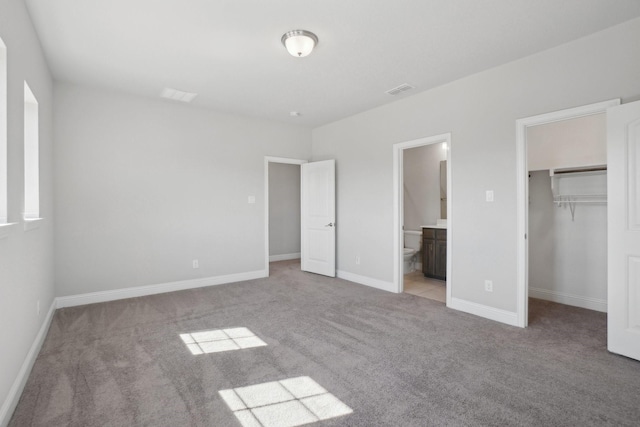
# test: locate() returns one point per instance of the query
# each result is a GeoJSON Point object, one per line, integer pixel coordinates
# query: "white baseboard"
{"type": "Point", "coordinates": [503, 316]}
{"type": "Point", "coordinates": [368, 281]}
{"type": "Point", "coordinates": [10, 403]}
{"type": "Point", "coordinates": [284, 257]}
{"type": "Point", "coordinates": [569, 299]}
{"type": "Point", "coordinates": [139, 291]}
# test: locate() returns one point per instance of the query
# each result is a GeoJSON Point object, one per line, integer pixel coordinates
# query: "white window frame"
{"type": "Point", "coordinates": [5, 226]}
{"type": "Point", "coordinates": [31, 212]}
{"type": "Point", "coordinates": [4, 185]}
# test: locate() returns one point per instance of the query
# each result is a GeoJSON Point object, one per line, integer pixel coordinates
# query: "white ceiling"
{"type": "Point", "coordinates": [229, 51]}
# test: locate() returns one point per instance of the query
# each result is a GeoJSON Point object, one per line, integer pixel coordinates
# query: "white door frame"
{"type": "Point", "coordinates": [522, 170]}
{"type": "Point", "coordinates": [398, 203]}
{"type": "Point", "coordinates": [267, 160]}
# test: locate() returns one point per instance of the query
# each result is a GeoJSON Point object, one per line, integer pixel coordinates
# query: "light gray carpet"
{"type": "Point", "coordinates": [395, 360]}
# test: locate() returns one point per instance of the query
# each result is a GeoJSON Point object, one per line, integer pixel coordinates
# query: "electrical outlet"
{"type": "Point", "coordinates": [251, 199]}
{"type": "Point", "coordinates": [38, 307]}
{"type": "Point", "coordinates": [489, 195]}
{"type": "Point", "coordinates": [488, 285]}
{"type": "Point", "coordinates": [357, 260]}
{"type": "Point", "coordinates": [196, 264]}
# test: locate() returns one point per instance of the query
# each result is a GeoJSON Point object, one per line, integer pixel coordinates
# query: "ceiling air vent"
{"type": "Point", "coordinates": [178, 95]}
{"type": "Point", "coordinates": [399, 89]}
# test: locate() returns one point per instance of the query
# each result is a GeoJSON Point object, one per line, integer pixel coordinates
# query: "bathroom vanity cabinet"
{"type": "Point", "coordinates": [434, 252]}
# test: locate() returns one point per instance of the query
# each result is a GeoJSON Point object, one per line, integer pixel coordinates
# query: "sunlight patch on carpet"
{"type": "Point", "coordinates": [285, 403]}
{"type": "Point", "coordinates": [217, 340]}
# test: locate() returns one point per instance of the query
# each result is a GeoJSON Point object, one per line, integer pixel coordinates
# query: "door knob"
{"type": "Point", "coordinates": [329, 225]}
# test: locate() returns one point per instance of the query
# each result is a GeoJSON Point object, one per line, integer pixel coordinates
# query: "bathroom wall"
{"type": "Point", "coordinates": [567, 258]}
{"type": "Point", "coordinates": [422, 185]}
{"type": "Point", "coordinates": [26, 256]}
{"type": "Point", "coordinates": [284, 211]}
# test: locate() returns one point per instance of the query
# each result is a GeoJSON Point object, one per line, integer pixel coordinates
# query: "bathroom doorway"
{"type": "Point", "coordinates": [282, 209]}
{"type": "Point", "coordinates": [422, 211]}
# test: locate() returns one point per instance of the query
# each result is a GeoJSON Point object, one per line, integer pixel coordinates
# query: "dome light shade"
{"type": "Point", "coordinates": [299, 43]}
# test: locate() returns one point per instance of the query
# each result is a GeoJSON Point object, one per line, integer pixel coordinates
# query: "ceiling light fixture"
{"type": "Point", "coordinates": [299, 43]}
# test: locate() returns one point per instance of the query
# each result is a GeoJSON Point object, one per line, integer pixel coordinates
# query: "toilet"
{"type": "Point", "coordinates": [412, 240]}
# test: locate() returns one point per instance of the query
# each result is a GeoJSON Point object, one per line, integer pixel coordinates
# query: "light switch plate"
{"type": "Point", "coordinates": [252, 199]}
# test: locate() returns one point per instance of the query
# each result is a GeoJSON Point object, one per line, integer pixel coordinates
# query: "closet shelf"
{"type": "Point", "coordinates": [571, 187]}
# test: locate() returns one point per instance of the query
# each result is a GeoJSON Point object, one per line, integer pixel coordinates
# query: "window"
{"type": "Point", "coordinates": [4, 213]}
{"type": "Point", "coordinates": [31, 156]}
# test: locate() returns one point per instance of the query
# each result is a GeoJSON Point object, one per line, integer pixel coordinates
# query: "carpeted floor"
{"type": "Point", "coordinates": [393, 360]}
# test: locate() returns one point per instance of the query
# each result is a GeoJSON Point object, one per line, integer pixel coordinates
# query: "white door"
{"type": "Point", "coordinates": [623, 182]}
{"type": "Point", "coordinates": [318, 200]}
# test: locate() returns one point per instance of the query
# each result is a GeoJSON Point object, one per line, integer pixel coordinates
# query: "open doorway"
{"type": "Point", "coordinates": [567, 163]}
{"type": "Point", "coordinates": [425, 221]}
{"type": "Point", "coordinates": [562, 174]}
{"type": "Point", "coordinates": [282, 209]}
{"type": "Point", "coordinates": [422, 197]}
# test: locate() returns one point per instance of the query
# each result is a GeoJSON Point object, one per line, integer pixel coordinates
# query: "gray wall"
{"type": "Point", "coordinates": [566, 257]}
{"type": "Point", "coordinates": [480, 111]}
{"type": "Point", "coordinates": [26, 258]}
{"type": "Point", "coordinates": [421, 176]}
{"type": "Point", "coordinates": [568, 143]}
{"type": "Point", "coordinates": [284, 209]}
{"type": "Point", "coordinates": [144, 186]}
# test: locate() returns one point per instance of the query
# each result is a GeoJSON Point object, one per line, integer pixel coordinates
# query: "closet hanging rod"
{"type": "Point", "coordinates": [583, 196]}
{"type": "Point", "coordinates": [604, 202]}
{"type": "Point", "coordinates": [598, 168]}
